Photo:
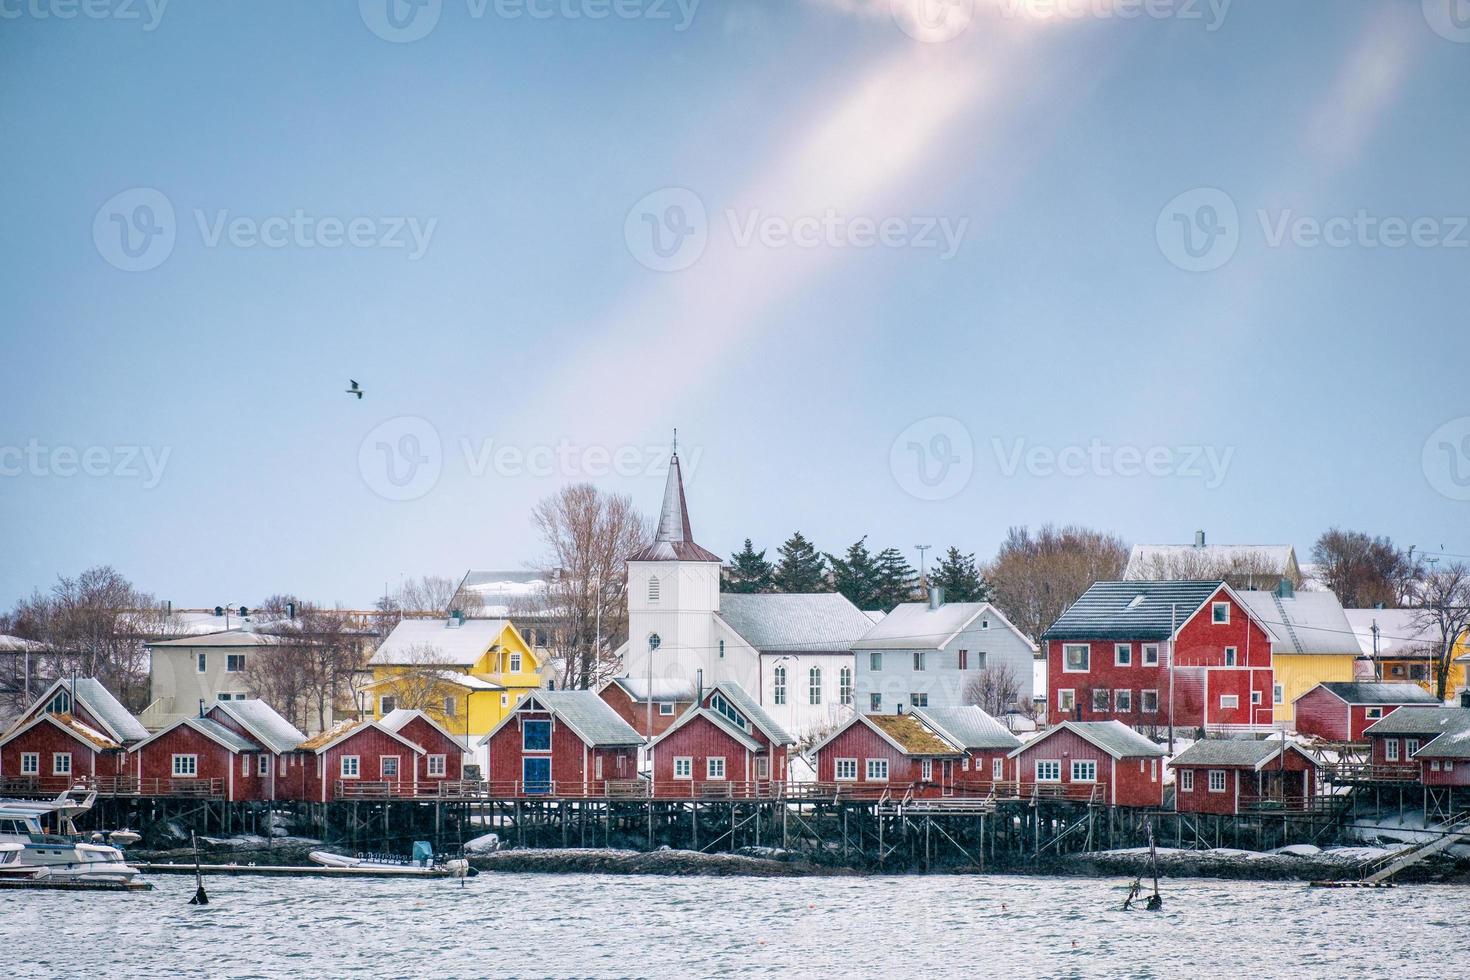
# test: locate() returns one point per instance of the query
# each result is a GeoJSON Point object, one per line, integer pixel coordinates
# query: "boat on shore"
{"type": "Point", "coordinates": [421, 861]}
{"type": "Point", "coordinates": [39, 841]}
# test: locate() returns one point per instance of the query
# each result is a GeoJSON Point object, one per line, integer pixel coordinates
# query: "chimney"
{"type": "Point", "coordinates": [698, 686]}
{"type": "Point", "coordinates": [290, 610]}
{"type": "Point", "coordinates": [201, 707]}
{"type": "Point", "coordinates": [456, 619]}
{"type": "Point", "coordinates": [936, 596]}
{"type": "Point", "coordinates": [1199, 539]}
{"type": "Point", "coordinates": [168, 608]}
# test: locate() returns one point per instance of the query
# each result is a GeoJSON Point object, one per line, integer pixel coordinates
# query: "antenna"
{"type": "Point", "coordinates": [676, 440]}
{"type": "Point", "coordinates": [922, 548]}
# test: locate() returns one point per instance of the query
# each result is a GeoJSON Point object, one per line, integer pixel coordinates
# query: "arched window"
{"type": "Point", "coordinates": [653, 589]}
{"type": "Point", "coordinates": [814, 686]}
{"type": "Point", "coordinates": [778, 686]}
{"type": "Point", "coordinates": [844, 685]}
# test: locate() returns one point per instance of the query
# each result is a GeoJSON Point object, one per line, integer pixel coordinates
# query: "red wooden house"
{"type": "Point", "coordinates": [1096, 761]}
{"type": "Point", "coordinates": [197, 757]}
{"type": "Point", "coordinates": [360, 759]}
{"type": "Point", "coordinates": [1109, 657]}
{"type": "Point", "coordinates": [626, 695]}
{"type": "Point", "coordinates": [874, 754]}
{"type": "Point", "coordinates": [986, 742]}
{"type": "Point", "coordinates": [561, 743]}
{"type": "Point", "coordinates": [1340, 711]}
{"type": "Point", "coordinates": [278, 768]}
{"type": "Point", "coordinates": [1235, 776]}
{"type": "Point", "coordinates": [1396, 742]}
{"type": "Point", "coordinates": [443, 758]}
{"type": "Point", "coordinates": [725, 745]}
{"type": "Point", "coordinates": [74, 732]}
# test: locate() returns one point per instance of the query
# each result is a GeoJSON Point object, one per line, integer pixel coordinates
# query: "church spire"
{"type": "Point", "coordinates": [673, 539]}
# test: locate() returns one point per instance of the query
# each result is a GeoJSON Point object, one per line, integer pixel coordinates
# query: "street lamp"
{"type": "Point", "coordinates": [653, 644]}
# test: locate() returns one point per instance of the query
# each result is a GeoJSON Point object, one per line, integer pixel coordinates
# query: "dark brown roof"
{"type": "Point", "coordinates": [674, 541]}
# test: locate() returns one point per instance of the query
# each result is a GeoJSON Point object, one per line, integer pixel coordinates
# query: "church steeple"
{"type": "Point", "coordinates": [674, 540]}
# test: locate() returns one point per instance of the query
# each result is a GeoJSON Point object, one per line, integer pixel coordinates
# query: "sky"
{"type": "Point", "coordinates": [917, 269]}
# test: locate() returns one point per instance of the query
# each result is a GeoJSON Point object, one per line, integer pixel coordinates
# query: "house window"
{"type": "Point", "coordinates": [1149, 702]}
{"type": "Point", "coordinates": [388, 766]}
{"type": "Point", "coordinates": [1391, 750]}
{"type": "Point", "coordinates": [505, 700]}
{"type": "Point", "coordinates": [998, 769]}
{"type": "Point", "coordinates": [1411, 745]}
{"type": "Point", "coordinates": [1084, 771]}
{"type": "Point", "coordinates": [1449, 766]}
{"type": "Point", "coordinates": [1048, 770]}
{"type": "Point", "coordinates": [1255, 697]}
{"type": "Point", "coordinates": [387, 704]}
{"type": "Point", "coordinates": [1100, 697]}
{"type": "Point", "coordinates": [244, 763]}
{"type": "Point", "coordinates": [653, 589]}
{"type": "Point", "coordinates": [985, 624]}
{"type": "Point", "coordinates": [30, 763]}
{"type": "Point", "coordinates": [61, 763]}
{"type": "Point", "coordinates": [714, 767]}
{"type": "Point", "coordinates": [1418, 672]}
{"type": "Point", "coordinates": [926, 769]}
{"type": "Point", "coordinates": [665, 708]}
{"type": "Point", "coordinates": [919, 699]}
{"type": "Point", "coordinates": [918, 659]}
{"type": "Point", "coordinates": [1076, 658]}
{"type": "Point", "coordinates": [1123, 701]}
{"type": "Point", "coordinates": [201, 662]}
{"type": "Point", "coordinates": [263, 765]}
{"type": "Point", "coordinates": [1153, 770]}
{"type": "Point", "coordinates": [450, 707]}
{"type": "Point", "coordinates": [515, 663]}
{"type": "Point", "coordinates": [963, 660]}
{"type": "Point", "coordinates": [778, 686]}
{"type": "Point", "coordinates": [1066, 700]}
{"type": "Point", "coordinates": [980, 660]}
{"type": "Point", "coordinates": [1186, 780]}
{"type": "Point", "coordinates": [877, 770]}
{"type": "Point", "coordinates": [1229, 701]}
{"type": "Point", "coordinates": [814, 686]}
{"type": "Point", "coordinates": [536, 736]}
{"type": "Point", "coordinates": [718, 703]}
{"type": "Point", "coordinates": [1372, 714]}
{"type": "Point", "coordinates": [1217, 780]}
{"type": "Point", "coordinates": [1434, 766]}
{"type": "Point", "coordinates": [1278, 694]}
{"type": "Point", "coordinates": [1230, 656]}
{"type": "Point", "coordinates": [1123, 655]}
{"type": "Point", "coordinates": [234, 663]}
{"type": "Point", "coordinates": [186, 765]}
{"type": "Point", "coordinates": [683, 767]}
{"type": "Point", "coordinates": [875, 661]}
{"type": "Point", "coordinates": [1220, 613]}
{"type": "Point", "coordinates": [351, 766]}
{"type": "Point", "coordinates": [1150, 654]}
{"type": "Point", "coordinates": [438, 766]}
{"type": "Point", "coordinates": [60, 705]}
{"type": "Point", "coordinates": [875, 702]}
{"type": "Point", "coordinates": [597, 770]}
{"type": "Point", "coordinates": [844, 685]}
{"type": "Point", "coordinates": [844, 770]}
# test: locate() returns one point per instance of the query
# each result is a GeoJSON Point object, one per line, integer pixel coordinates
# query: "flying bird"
{"type": "Point", "coordinates": [356, 389]}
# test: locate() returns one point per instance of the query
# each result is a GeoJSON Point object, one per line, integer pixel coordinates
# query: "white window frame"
{"type": "Point", "coordinates": [1232, 656]}
{"type": "Point", "coordinates": [1255, 697]}
{"type": "Point", "coordinates": [356, 767]}
{"type": "Point", "coordinates": [683, 767]}
{"type": "Point", "coordinates": [918, 699]}
{"type": "Point", "coordinates": [1229, 701]}
{"type": "Point", "coordinates": [1186, 780]}
{"type": "Point", "coordinates": [1123, 701]}
{"type": "Point", "coordinates": [201, 662]}
{"type": "Point", "coordinates": [1449, 765]}
{"type": "Point", "coordinates": [714, 767]}
{"type": "Point", "coordinates": [61, 763]}
{"type": "Point", "coordinates": [1278, 693]}
{"type": "Point", "coordinates": [926, 769]}
{"type": "Point", "coordinates": [875, 660]}
{"type": "Point", "coordinates": [263, 765]}
{"type": "Point", "coordinates": [1051, 766]}
{"type": "Point", "coordinates": [1217, 780]}
{"type": "Point", "coordinates": [1373, 714]}
{"type": "Point", "coordinates": [1150, 654]}
{"type": "Point", "coordinates": [876, 770]}
{"type": "Point", "coordinates": [1066, 699]}
{"type": "Point", "coordinates": [1143, 699]}
{"type": "Point", "coordinates": [665, 708]}
{"type": "Point", "coordinates": [515, 663]}
{"type": "Point", "coordinates": [778, 685]}
{"type": "Point", "coordinates": [875, 702]}
{"type": "Point", "coordinates": [184, 765]}
{"type": "Point", "coordinates": [238, 662]}
{"type": "Point", "coordinates": [814, 685]}
{"type": "Point", "coordinates": [1411, 745]}
{"type": "Point", "coordinates": [844, 685]}
{"type": "Point", "coordinates": [383, 761]}
{"type": "Point", "coordinates": [244, 763]}
{"type": "Point", "coordinates": [1084, 766]}
{"type": "Point", "coordinates": [998, 768]}
{"type": "Point", "coordinates": [30, 763]}
{"type": "Point", "coordinates": [384, 701]}
{"type": "Point", "coordinates": [451, 705]}
{"type": "Point", "coordinates": [919, 658]}
{"type": "Point", "coordinates": [1067, 650]}
{"type": "Point", "coordinates": [1391, 750]}
{"type": "Point", "coordinates": [1122, 655]}
{"type": "Point", "coordinates": [844, 770]}
{"type": "Point", "coordinates": [437, 766]}
{"type": "Point", "coordinates": [962, 660]}
{"type": "Point", "coordinates": [1215, 607]}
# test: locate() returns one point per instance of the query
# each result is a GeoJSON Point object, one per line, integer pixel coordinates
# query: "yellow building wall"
{"type": "Point", "coordinates": [1299, 673]}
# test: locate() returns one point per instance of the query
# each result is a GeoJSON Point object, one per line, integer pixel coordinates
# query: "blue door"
{"type": "Point", "coordinates": [536, 775]}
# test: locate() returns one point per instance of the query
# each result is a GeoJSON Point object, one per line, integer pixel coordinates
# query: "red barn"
{"type": "Point", "coordinates": [1340, 711]}
{"type": "Point", "coordinates": [725, 745]}
{"type": "Point", "coordinates": [1396, 741]}
{"type": "Point", "coordinates": [561, 743]}
{"type": "Point", "coordinates": [1097, 761]}
{"type": "Point", "coordinates": [873, 754]}
{"type": "Point", "coordinates": [360, 759]}
{"type": "Point", "coordinates": [52, 753]}
{"type": "Point", "coordinates": [278, 767]}
{"type": "Point", "coordinates": [198, 757]}
{"type": "Point", "coordinates": [1109, 654]}
{"type": "Point", "coordinates": [626, 695]}
{"type": "Point", "coordinates": [443, 758]}
{"type": "Point", "coordinates": [1237, 776]}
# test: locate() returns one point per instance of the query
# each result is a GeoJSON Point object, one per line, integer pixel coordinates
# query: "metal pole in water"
{"type": "Point", "coordinates": [200, 898]}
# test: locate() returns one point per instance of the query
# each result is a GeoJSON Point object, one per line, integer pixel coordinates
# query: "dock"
{"type": "Point", "coordinates": [63, 885]}
{"type": "Point", "coordinates": [294, 871]}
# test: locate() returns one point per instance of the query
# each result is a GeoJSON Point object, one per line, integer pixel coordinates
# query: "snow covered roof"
{"type": "Point", "coordinates": [210, 729]}
{"type": "Point", "coordinates": [16, 644]}
{"type": "Point", "coordinates": [674, 541]}
{"type": "Point", "coordinates": [795, 622]}
{"type": "Point", "coordinates": [1425, 720]}
{"type": "Point", "coordinates": [108, 711]}
{"type": "Point", "coordinates": [347, 728]}
{"type": "Point", "coordinates": [1229, 752]}
{"type": "Point", "coordinates": [916, 626]}
{"type": "Point", "coordinates": [752, 709]}
{"type": "Point", "coordinates": [1131, 610]}
{"type": "Point", "coordinates": [586, 714]}
{"type": "Point", "coordinates": [1398, 632]}
{"type": "Point", "coordinates": [415, 642]}
{"type": "Point", "coordinates": [969, 727]}
{"type": "Point", "coordinates": [1451, 745]}
{"type": "Point", "coordinates": [1113, 737]}
{"type": "Point", "coordinates": [664, 688]}
{"type": "Point", "coordinates": [1304, 623]}
{"type": "Point", "coordinates": [224, 638]}
{"type": "Point", "coordinates": [66, 723]}
{"type": "Point", "coordinates": [262, 721]}
{"type": "Point", "coordinates": [1374, 692]}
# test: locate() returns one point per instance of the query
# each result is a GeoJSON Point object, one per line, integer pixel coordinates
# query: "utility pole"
{"type": "Point", "coordinates": [1377, 670]}
{"type": "Point", "coordinates": [923, 548]}
{"type": "Point", "coordinates": [1173, 629]}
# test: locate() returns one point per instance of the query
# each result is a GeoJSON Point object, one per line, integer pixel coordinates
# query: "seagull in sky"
{"type": "Point", "coordinates": [356, 389]}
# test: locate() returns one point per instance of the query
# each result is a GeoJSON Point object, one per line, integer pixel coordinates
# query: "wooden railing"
{"type": "Point", "coordinates": [1288, 804]}
{"type": "Point", "coordinates": [159, 786]}
{"type": "Point", "coordinates": [1368, 772]}
{"type": "Point", "coordinates": [42, 785]}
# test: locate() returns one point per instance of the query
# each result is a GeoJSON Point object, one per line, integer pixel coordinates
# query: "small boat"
{"type": "Point", "coordinates": [28, 851]}
{"type": "Point", "coordinates": [422, 861]}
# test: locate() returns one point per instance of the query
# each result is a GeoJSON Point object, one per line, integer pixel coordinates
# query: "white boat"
{"type": "Point", "coordinates": [27, 850]}
{"type": "Point", "coordinates": [422, 862]}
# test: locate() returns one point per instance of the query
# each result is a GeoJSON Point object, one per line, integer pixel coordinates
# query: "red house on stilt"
{"type": "Point", "coordinates": [563, 743]}
{"type": "Point", "coordinates": [1103, 762]}
{"type": "Point", "coordinates": [1235, 776]}
{"type": "Point", "coordinates": [443, 758]}
{"type": "Point", "coordinates": [724, 745]}
{"type": "Point", "coordinates": [74, 733]}
{"type": "Point", "coordinates": [360, 759]}
{"type": "Point", "coordinates": [1340, 711]}
{"type": "Point", "coordinates": [197, 757]}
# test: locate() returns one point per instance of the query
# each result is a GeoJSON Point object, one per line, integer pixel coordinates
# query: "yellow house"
{"type": "Point", "coordinates": [1312, 643]}
{"type": "Point", "coordinates": [1403, 648]}
{"type": "Point", "coordinates": [467, 674]}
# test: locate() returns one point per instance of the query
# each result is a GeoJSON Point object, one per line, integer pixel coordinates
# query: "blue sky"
{"type": "Point", "coordinates": [910, 280]}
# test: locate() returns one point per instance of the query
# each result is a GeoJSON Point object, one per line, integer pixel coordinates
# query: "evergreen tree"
{"type": "Point", "coordinates": [855, 576]}
{"type": "Point", "coordinates": [801, 568]}
{"type": "Point", "coordinates": [897, 580]}
{"type": "Point", "coordinates": [749, 571]}
{"type": "Point", "coordinates": [960, 578]}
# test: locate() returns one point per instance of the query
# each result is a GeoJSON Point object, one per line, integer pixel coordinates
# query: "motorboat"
{"type": "Point", "coordinates": [421, 861]}
{"type": "Point", "coordinates": [29, 849]}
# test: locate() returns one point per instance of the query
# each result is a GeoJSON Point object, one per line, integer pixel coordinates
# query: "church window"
{"type": "Point", "coordinates": [778, 687]}
{"type": "Point", "coordinates": [814, 686]}
{"type": "Point", "coordinates": [844, 685]}
{"type": "Point", "coordinates": [653, 589]}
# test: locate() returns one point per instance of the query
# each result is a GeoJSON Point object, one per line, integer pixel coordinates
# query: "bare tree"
{"type": "Point", "coordinates": [1037, 576]}
{"type": "Point", "coordinates": [277, 675]}
{"type": "Point", "coordinates": [994, 690]}
{"type": "Point", "coordinates": [1445, 606]}
{"type": "Point", "coordinates": [1242, 569]}
{"type": "Point", "coordinates": [1365, 571]}
{"type": "Point", "coordinates": [589, 536]}
{"type": "Point", "coordinates": [429, 595]}
{"type": "Point", "coordinates": [321, 660]}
